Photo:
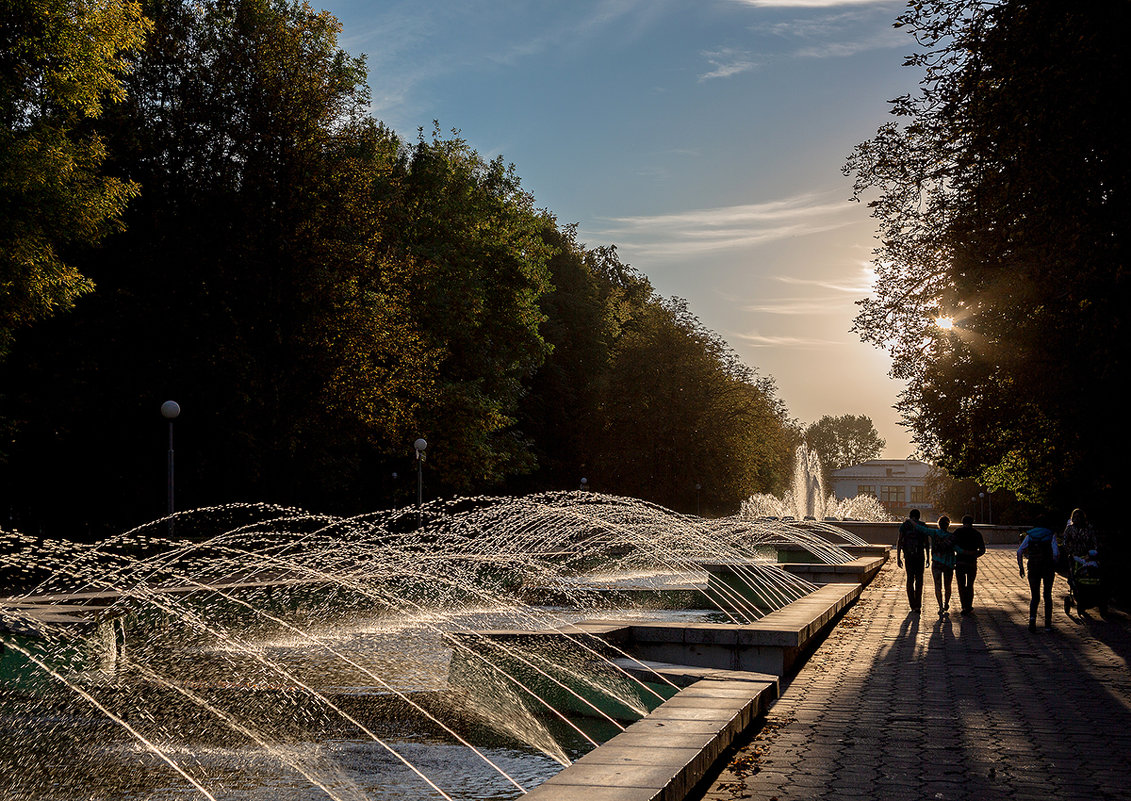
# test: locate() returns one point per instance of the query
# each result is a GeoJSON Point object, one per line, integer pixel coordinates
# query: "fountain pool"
{"type": "Point", "coordinates": [270, 652]}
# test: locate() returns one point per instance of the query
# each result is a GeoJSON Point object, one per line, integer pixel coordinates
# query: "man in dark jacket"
{"type": "Point", "coordinates": [911, 547]}
{"type": "Point", "coordinates": [968, 546]}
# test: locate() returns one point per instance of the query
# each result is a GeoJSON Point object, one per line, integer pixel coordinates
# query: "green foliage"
{"type": "Point", "coordinates": [479, 269]}
{"type": "Point", "coordinates": [681, 411]}
{"type": "Point", "coordinates": [958, 497]}
{"type": "Point", "coordinates": [60, 62]}
{"type": "Point", "coordinates": [639, 398]}
{"type": "Point", "coordinates": [1001, 195]}
{"type": "Point", "coordinates": [562, 410]}
{"type": "Point", "coordinates": [843, 441]}
{"type": "Point", "coordinates": [317, 293]}
{"type": "Point", "coordinates": [251, 284]}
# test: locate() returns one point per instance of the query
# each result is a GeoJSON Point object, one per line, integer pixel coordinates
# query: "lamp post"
{"type": "Point", "coordinates": [584, 484]}
{"type": "Point", "coordinates": [697, 488]}
{"type": "Point", "coordinates": [420, 445]}
{"type": "Point", "coordinates": [170, 410]}
{"type": "Point", "coordinates": [982, 505]}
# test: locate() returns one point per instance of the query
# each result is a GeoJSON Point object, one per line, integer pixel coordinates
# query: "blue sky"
{"type": "Point", "coordinates": [704, 138]}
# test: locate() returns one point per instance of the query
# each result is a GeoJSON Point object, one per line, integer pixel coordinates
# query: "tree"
{"type": "Point", "coordinates": [682, 410]}
{"type": "Point", "coordinates": [561, 409]}
{"type": "Point", "coordinates": [843, 441]}
{"type": "Point", "coordinates": [251, 283]}
{"type": "Point", "coordinates": [61, 61]}
{"type": "Point", "coordinates": [957, 497]}
{"type": "Point", "coordinates": [479, 267]}
{"type": "Point", "coordinates": [1001, 196]}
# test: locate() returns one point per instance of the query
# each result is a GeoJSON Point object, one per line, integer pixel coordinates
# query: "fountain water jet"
{"type": "Point", "coordinates": [247, 633]}
{"type": "Point", "coordinates": [806, 498]}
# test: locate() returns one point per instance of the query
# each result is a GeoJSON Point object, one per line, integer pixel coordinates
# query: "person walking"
{"type": "Point", "coordinates": [1079, 541]}
{"type": "Point", "coordinates": [911, 547]}
{"type": "Point", "coordinates": [942, 563]}
{"type": "Point", "coordinates": [1039, 548]}
{"type": "Point", "coordinates": [968, 546]}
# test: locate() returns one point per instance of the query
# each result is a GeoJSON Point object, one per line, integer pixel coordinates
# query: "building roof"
{"type": "Point", "coordinates": [884, 468]}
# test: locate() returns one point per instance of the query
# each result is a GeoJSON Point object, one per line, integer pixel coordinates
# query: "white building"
{"type": "Point", "coordinates": [899, 484]}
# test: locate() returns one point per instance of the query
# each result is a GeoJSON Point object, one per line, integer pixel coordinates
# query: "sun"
{"type": "Point", "coordinates": [945, 323]}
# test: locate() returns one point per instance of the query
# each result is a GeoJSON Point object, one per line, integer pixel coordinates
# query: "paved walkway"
{"type": "Point", "coordinates": [898, 706]}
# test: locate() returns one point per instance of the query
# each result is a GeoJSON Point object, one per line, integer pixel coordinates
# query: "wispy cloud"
{"type": "Point", "coordinates": [834, 29]}
{"type": "Point", "coordinates": [800, 306]}
{"type": "Point", "coordinates": [701, 231]}
{"type": "Point", "coordinates": [831, 297]}
{"type": "Point", "coordinates": [756, 340]}
{"type": "Point", "coordinates": [862, 284]}
{"type": "Point", "coordinates": [727, 62]}
{"type": "Point", "coordinates": [880, 41]}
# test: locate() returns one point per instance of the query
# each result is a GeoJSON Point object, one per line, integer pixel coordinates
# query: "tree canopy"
{"type": "Point", "coordinates": [61, 62]}
{"type": "Point", "coordinates": [317, 292]}
{"type": "Point", "coordinates": [844, 440]}
{"type": "Point", "coordinates": [1001, 196]}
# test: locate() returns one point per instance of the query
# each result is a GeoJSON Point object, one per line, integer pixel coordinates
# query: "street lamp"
{"type": "Point", "coordinates": [584, 484]}
{"type": "Point", "coordinates": [697, 488]}
{"type": "Point", "coordinates": [170, 410]}
{"type": "Point", "coordinates": [420, 445]}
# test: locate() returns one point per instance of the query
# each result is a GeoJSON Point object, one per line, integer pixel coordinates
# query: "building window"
{"type": "Point", "coordinates": [893, 496]}
{"type": "Point", "coordinates": [918, 495]}
{"type": "Point", "coordinates": [866, 489]}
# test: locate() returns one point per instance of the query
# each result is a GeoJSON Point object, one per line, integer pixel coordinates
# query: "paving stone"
{"type": "Point", "coordinates": [898, 706]}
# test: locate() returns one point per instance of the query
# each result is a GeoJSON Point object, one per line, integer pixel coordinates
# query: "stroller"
{"type": "Point", "coordinates": [1087, 586]}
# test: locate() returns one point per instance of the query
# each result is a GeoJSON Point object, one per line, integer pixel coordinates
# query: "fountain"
{"type": "Point", "coordinates": [806, 498]}
{"type": "Point", "coordinates": [274, 652]}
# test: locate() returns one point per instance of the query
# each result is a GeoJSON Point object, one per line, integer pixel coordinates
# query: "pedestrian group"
{"type": "Point", "coordinates": [954, 554]}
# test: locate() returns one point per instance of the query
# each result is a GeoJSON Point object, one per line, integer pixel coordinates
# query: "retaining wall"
{"type": "Point", "coordinates": [886, 533]}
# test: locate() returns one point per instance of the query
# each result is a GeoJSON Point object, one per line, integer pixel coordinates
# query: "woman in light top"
{"type": "Point", "coordinates": [942, 563]}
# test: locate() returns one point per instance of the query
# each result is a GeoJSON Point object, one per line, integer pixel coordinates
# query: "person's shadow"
{"type": "Point", "coordinates": [909, 628]}
{"type": "Point", "coordinates": [941, 631]}
{"type": "Point", "coordinates": [1113, 630]}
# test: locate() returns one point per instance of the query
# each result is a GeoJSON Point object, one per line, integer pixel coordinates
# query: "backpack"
{"type": "Point", "coordinates": [912, 540]}
{"type": "Point", "coordinates": [1039, 551]}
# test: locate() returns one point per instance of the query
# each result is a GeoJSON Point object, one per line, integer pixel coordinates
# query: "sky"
{"type": "Point", "coordinates": [704, 138]}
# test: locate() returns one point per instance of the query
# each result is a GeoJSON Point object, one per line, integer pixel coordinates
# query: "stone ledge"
{"type": "Point", "coordinates": [861, 569]}
{"type": "Point", "coordinates": [769, 645]}
{"type": "Point", "coordinates": [664, 755]}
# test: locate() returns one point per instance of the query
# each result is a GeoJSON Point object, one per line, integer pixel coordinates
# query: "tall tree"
{"type": "Point", "coordinates": [250, 285]}
{"type": "Point", "coordinates": [1002, 198]}
{"type": "Point", "coordinates": [61, 61]}
{"type": "Point", "coordinates": [844, 440]}
{"type": "Point", "coordinates": [479, 267]}
{"type": "Point", "coordinates": [561, 411]}
{"type": "Point", "coordinates": [682, 411]}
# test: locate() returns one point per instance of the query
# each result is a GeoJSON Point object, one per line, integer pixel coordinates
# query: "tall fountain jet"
{"type": "Point", "coordinates": [807, 497]}
{"type": "Point", "coordinates": [808, 484]}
